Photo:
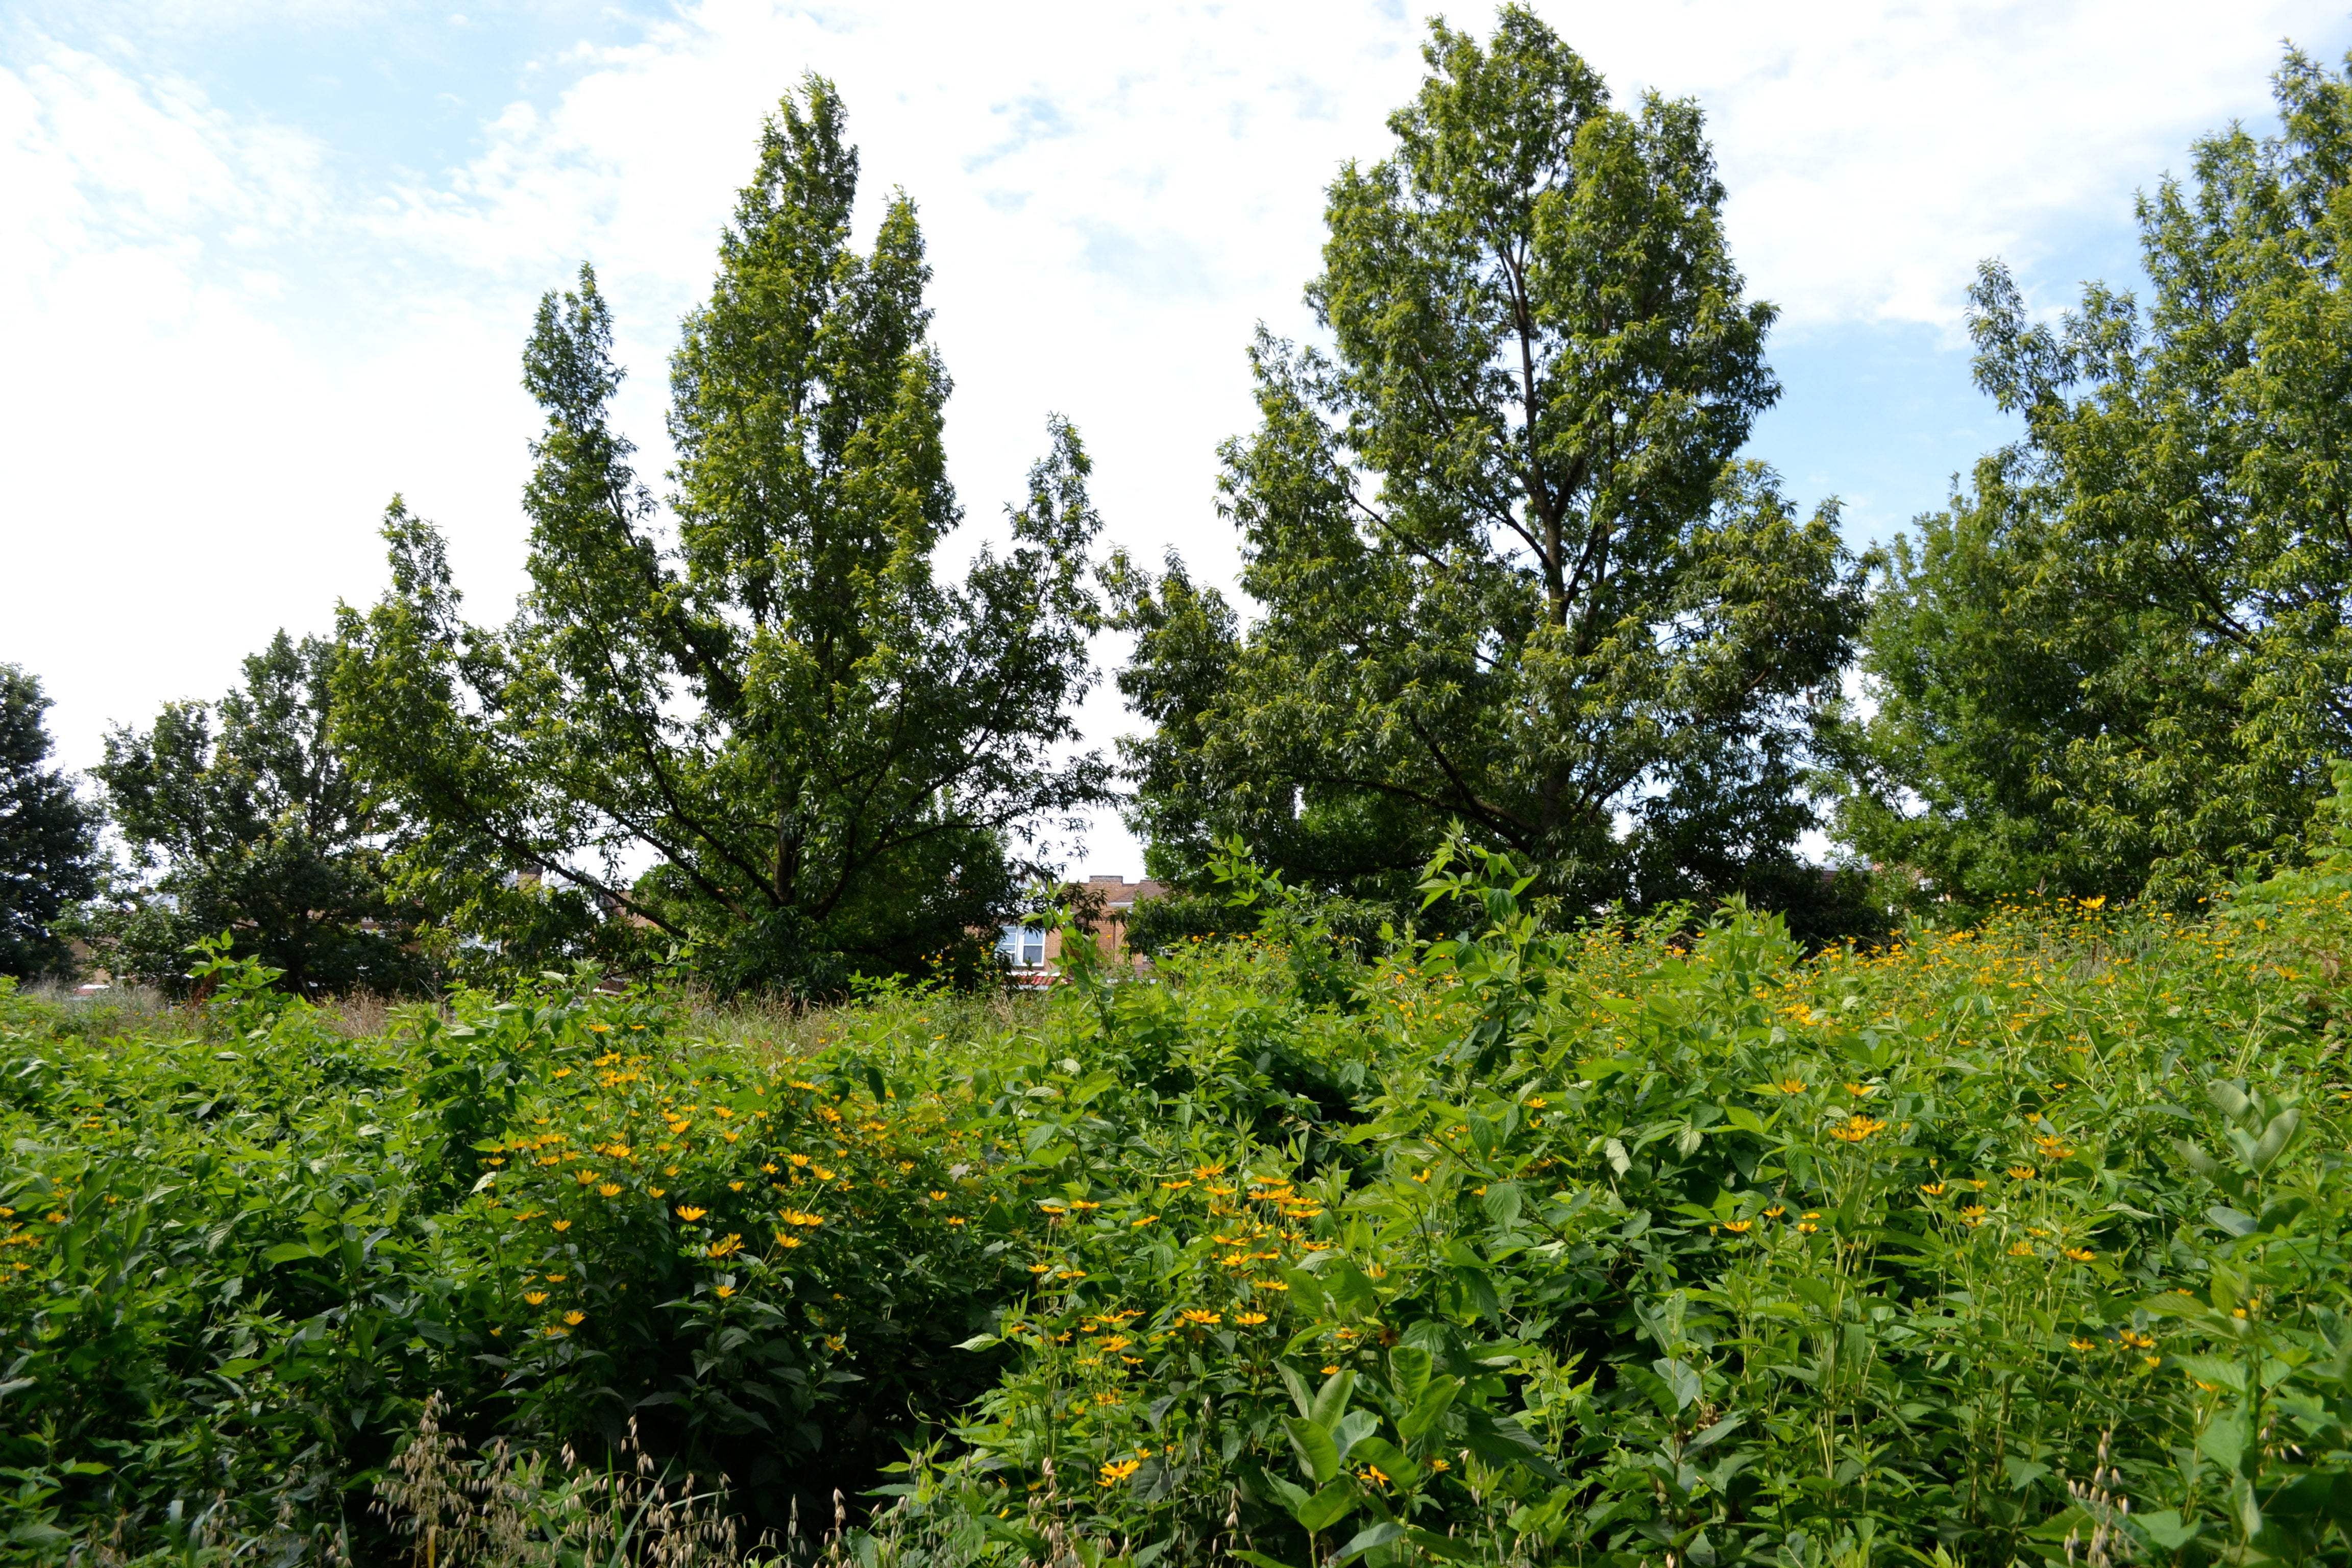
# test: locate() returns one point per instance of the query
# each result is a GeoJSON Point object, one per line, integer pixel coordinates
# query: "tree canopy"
{"type": "Point", "coordinates": [252, 824]}
{"type": "Point", "coordinates": [831, 758]}
{"type": "Point", "coordinates": [1510, 572]}
{"type": "Point", "coordinates": [2119, 660]}
{"type": "Point", "coordinates": [48, 848]}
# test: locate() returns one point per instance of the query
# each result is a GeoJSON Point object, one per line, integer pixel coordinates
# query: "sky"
{"type": "Point", "coordinates": [269, 262]}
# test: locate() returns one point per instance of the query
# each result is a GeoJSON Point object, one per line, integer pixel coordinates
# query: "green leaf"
{"type": "Point", "coordinates": [1327, 1506]}
{"type": "Point", "coordinates": [1409, 1367]}
{"type": "Point", "coordinates": [1316, 1452]}
{"type": "Point", "coordinates": [2223, 1441]}
{"type": "Point", "coordinates": [1331, 1399]}
{"type": "Point", "coordinates": [1369, 1539]}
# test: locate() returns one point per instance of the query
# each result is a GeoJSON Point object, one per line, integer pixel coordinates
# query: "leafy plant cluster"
{"type": "Point", "coordinates": [237, 1264]}
{"type": "Point", "coordinates": [1617, 1245]}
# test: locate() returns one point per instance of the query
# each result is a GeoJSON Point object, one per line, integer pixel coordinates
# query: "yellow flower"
{"type": "Point", "coordinates": [783, 1240]}
{"type": "Point", "coordinates": [535, 1298]}
{"type": "Point", "coordinates": [1117, 1471]}
{"type": "Point", "coordinates": [573, 1320]}
{"type": "Point", "coordinates": [1147, 1219]}
{"type": "Point", "coordinates": [2021, 1173]}
{"type": "Point", "coordinates": [1933, 1189]}
{"type": "Point", "coordinates": [689, 1213]}
{"type": "Point", "coordinates": [1790, 1085]}
{"type": "Point", "coordinates": [1860, 1090]}
{"type": "Point", "coordinates": [1973, 1213]}
{"type": "Point", "coordinates": [794, 1217]}
{"type": "Point", "coordinates": [797, 1160]}
{"type": "Point", "coordinates": [2021, 1249]}
{"type": "Point", "coordinates": [1251, 1319]}
{"type": "Point", "coordinates": [2098, 902]}
{"type": "Point", "coordinates": [1738, 1226]}
{"type": "Point", "coordinates": [1041, 1268]}
{"type": "Point", "coordinates": [724, 1291]}
{"type": "Point", "coordinates": [2080, 1344]}
{"type": "Point", "coordinates": [564, 1224]}
{"type": "Point", "coordinates": [728, 1247]}
{"type": "Point", "coordinates": [1775, 1212]}
{"type": "Point", "coordinates": [1856, 1128]}
{"type": "Point", "coordinates": [658, 1192]}
{"type": "Point", "coordinates": [609, 1190]}
{"type": "Point", "coordinates": [1198, 1318]}
{"type": "Point", "coordinates": [2080, 1253]}
{"type": "Point", "coordinates": [1807, 1228]}
{"type": "Point", "coordinates": [938, 1197]}
{"type": "Point", "coordinates": [1439, 1465]}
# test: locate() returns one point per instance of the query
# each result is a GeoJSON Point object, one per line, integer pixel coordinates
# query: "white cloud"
{"type": "Point", "coordinates": [227, 348]}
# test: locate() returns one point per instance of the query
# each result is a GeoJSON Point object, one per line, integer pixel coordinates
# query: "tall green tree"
{"type": "Point", "coordinates": [48, 837]}
{"type": "Point", "coordinates": [249, 823]}
{"type": "Point", "coordinates": [834, 760]}
{"type": "Point", "coordinates": [2120, 662]}
{"type": "Point", "coordinates": [1510, 572]}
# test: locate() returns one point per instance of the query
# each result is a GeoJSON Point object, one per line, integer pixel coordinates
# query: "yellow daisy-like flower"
{"type": "Point", "coordinates": [1933, 1189]}
{"type": "Point", "coordinates": [723, 1291]}
{"type": "Point", "coordinates": [1250, 1319]}
{"type": "Point", "coordinates": [1198, 1317]}
{"type": "Point", "coordinates": [1740, 1226]}
{"type": "Point", "coordinates": [2081, 1345]}
{"type": "Point", "coordinates": [573, 1320]}
{"type": "Point", "coordinates": [2080, 1253]}
{"type": "Point", "coordinates": [1790, 1085]}
{"type": "Point", "coordinates": [783, 1240]}
{"type": "Point", "coordinates": [728, 1247]}
{"type": "Point", "coordinates": [1117, 1471]}
{"type": "Point", "coordinates": [689, 1213]}
{"type": "Point", "coordinates": [2021, 1173]}
{"type": "Point", "coordinates": [2021, 1249]}
{"type": "Point", "coordinates": [564, 1224]}
{"type": "Point", "coordinates": [535, 1298]}
{"type": "Point", "coordinates": [609, 1190]}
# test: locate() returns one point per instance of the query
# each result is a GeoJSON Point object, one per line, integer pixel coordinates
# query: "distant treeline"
{"type": "Point", "coordinates": [1509, 573]}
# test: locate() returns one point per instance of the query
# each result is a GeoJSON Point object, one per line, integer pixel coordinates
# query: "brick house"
{"type": "Point", "coordinates": [1034, 950]}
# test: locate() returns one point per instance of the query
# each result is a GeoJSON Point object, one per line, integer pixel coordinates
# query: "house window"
{"type": "Point", "coordinates": [1024, 946]}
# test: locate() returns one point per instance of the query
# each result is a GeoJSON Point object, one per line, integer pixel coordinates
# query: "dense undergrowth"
{"type": "Point", "coordinates": [2023, 1243]}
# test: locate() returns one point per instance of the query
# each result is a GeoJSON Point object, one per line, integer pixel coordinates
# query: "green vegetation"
{"type": "Point", "coordinates": [1594, 1246]}
{"type": "Point", "coordinates": [1516, 1152]}
{"type": "Point", "coordinates": [2119, 662]}
{"type": "Point", "coordinates": [836, 761]}
{"type": "Point", "coordinates": [1511, 575]}
{"type": "Point", "coordinates": [257, 828]}
{"type": "Point", "coordinates": [47, 839]}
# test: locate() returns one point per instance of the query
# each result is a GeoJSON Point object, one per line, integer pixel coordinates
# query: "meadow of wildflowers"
{"type": "Point", "coordinates": [2024, 1242]}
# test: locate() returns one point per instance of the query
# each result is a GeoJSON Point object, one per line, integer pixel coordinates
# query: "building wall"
{"type": "Point", "coordinates": [1118, 897]}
